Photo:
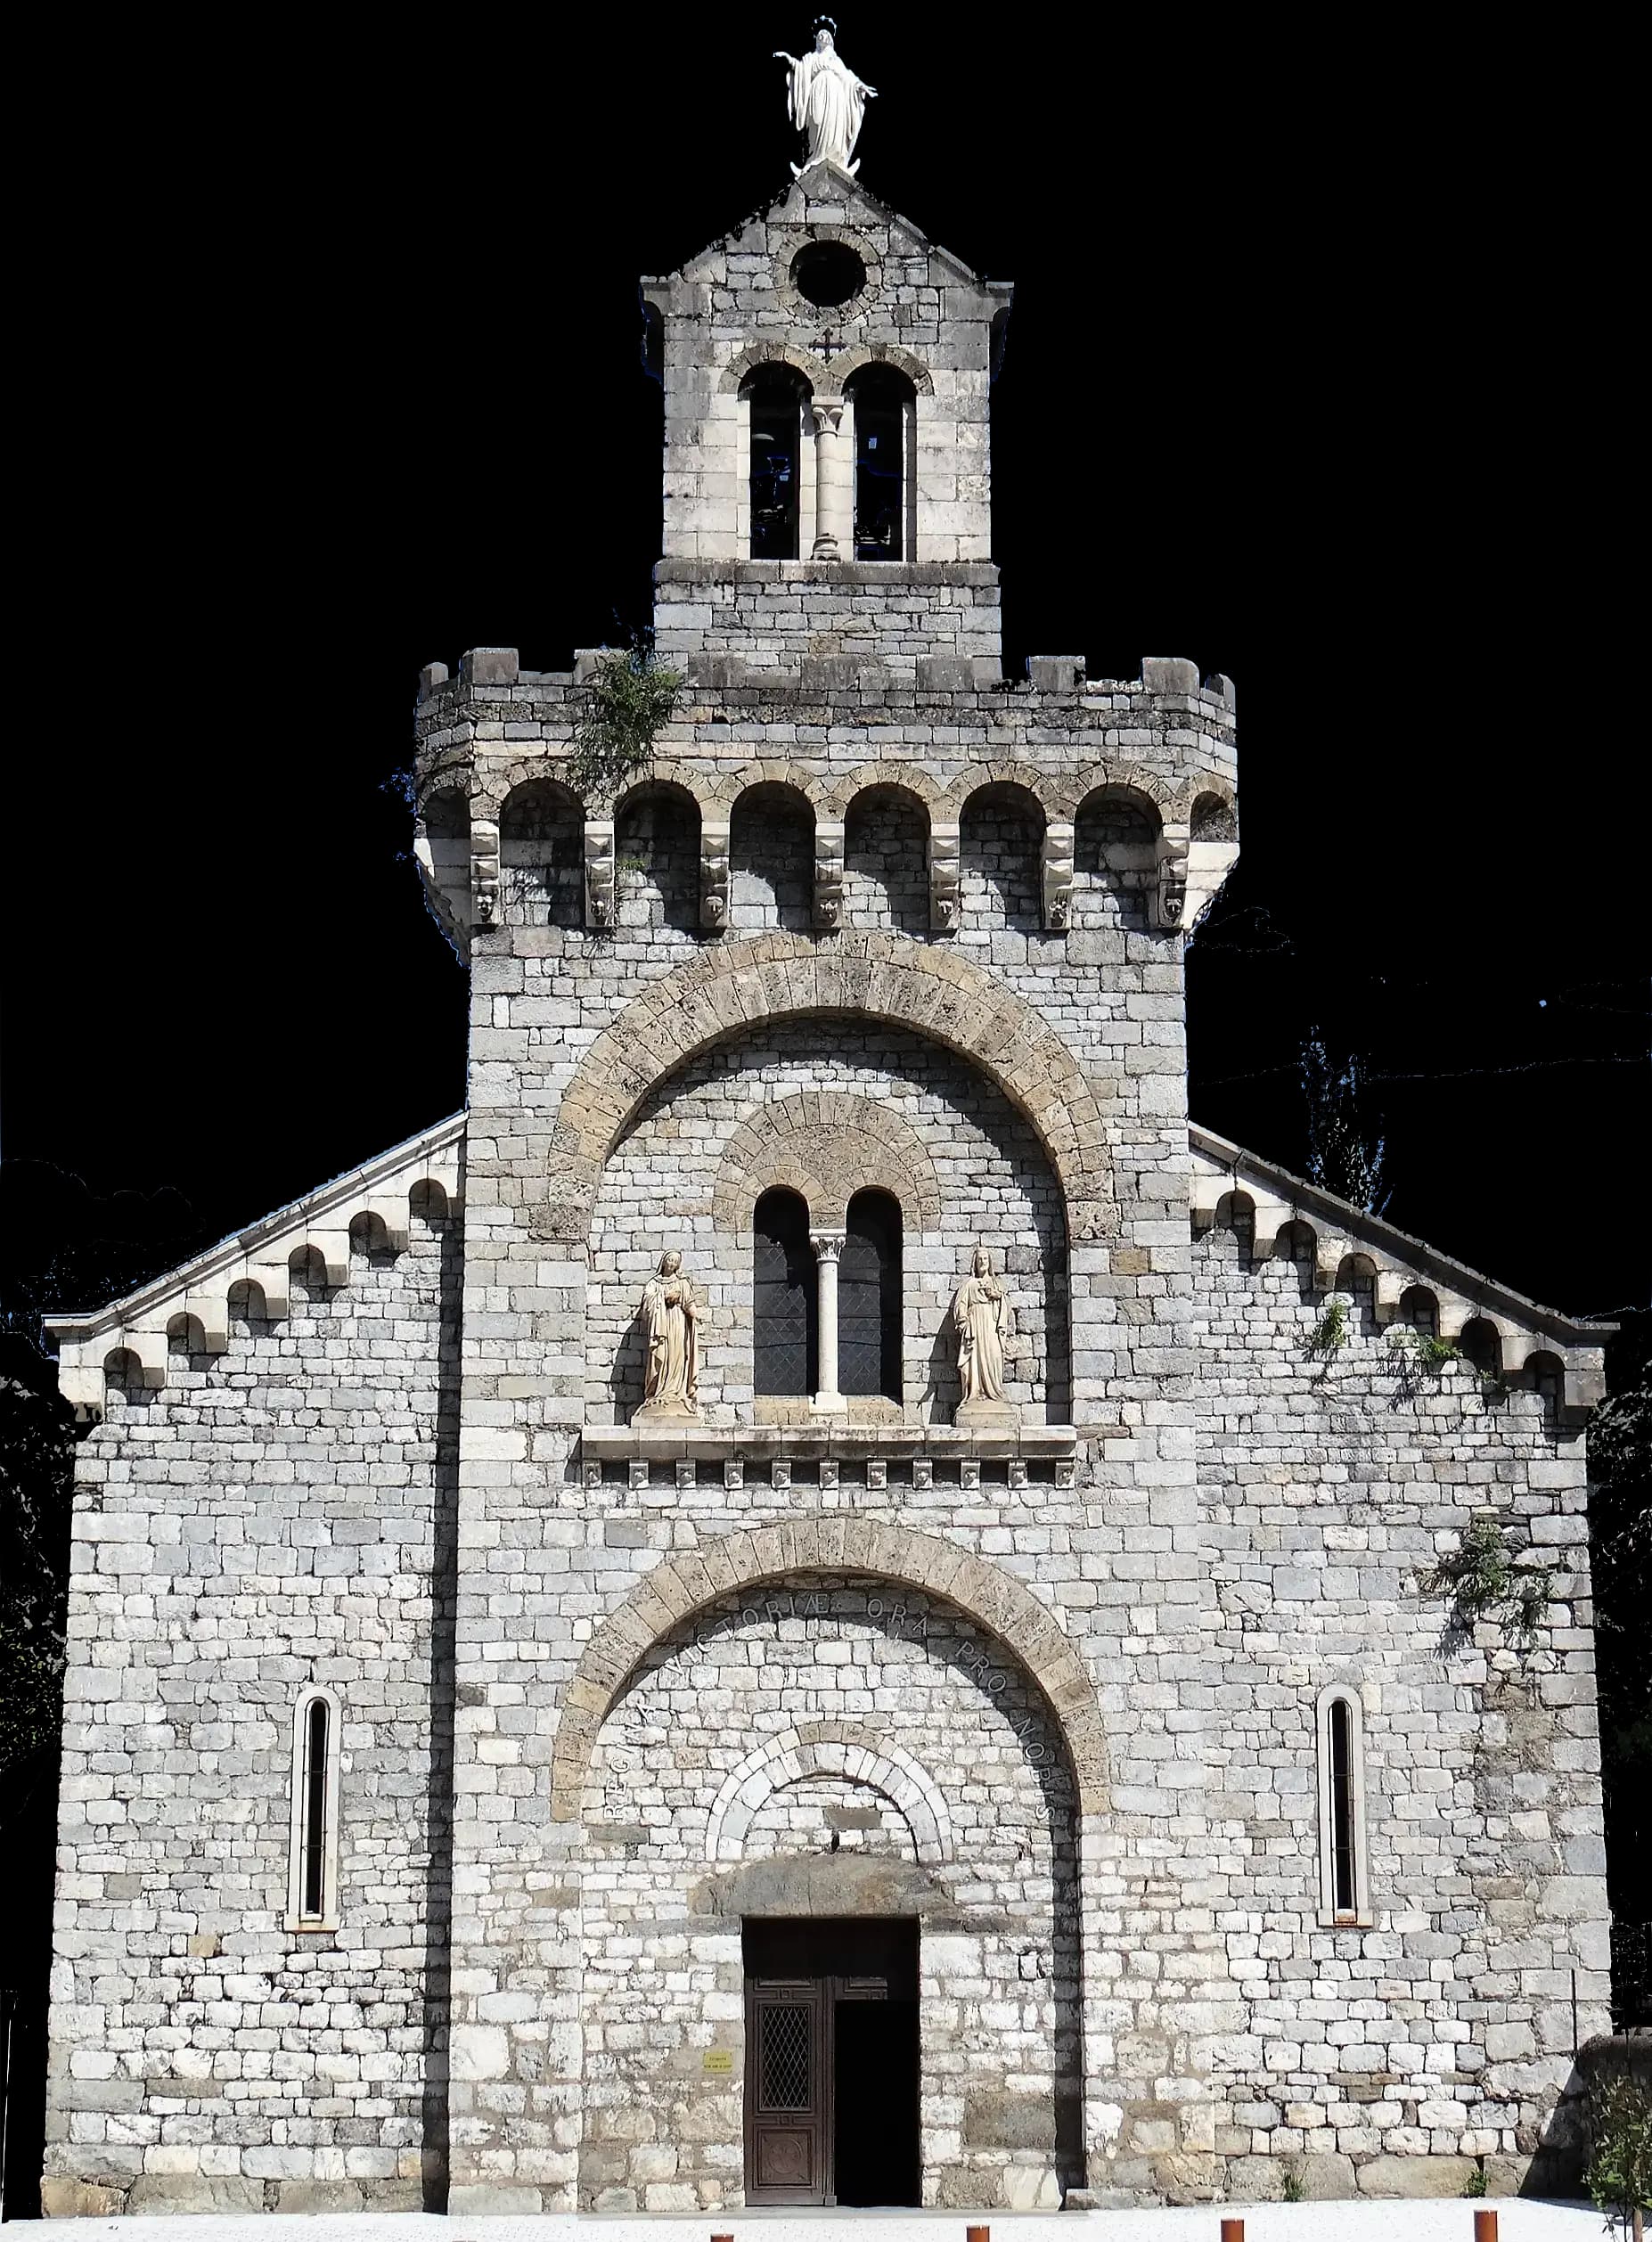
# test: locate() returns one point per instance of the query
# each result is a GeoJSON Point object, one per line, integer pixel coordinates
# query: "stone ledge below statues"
{"type": "Point", "coordinates": [661, 1442]}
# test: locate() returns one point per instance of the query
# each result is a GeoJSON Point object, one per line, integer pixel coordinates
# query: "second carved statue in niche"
{"type": "Point", "coordinates": [671, 1332]}
{"type": "Point", "coordinates": [978, 1307]}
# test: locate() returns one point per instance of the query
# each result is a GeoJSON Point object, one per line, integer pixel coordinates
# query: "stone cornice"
{"type": "Point", "coordinates": [1524, 1326]}
{"type": "Point", "coordinates": [260, 1256]}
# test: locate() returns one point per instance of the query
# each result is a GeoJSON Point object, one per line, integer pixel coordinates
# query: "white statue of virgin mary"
{"type": "Point", "coordinates": [826, 101]}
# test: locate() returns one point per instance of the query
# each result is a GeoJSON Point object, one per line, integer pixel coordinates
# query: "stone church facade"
{"type": "Point", "coordinates": [508, 1768]}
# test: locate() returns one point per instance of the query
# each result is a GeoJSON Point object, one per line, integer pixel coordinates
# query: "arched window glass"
{"type": "Point", "coordinates": [869, 1298]}
{"type": "Point", "coordinates": [774, 402]}
{"type": "Point", "coordinates": [783, 1297]}
{"type": "Point", "coordinates": [312, 1868]}
{"type": "Point", "coordinates": [883, 420]}
{"type": "Point", "coordinates": [1345, 1889]}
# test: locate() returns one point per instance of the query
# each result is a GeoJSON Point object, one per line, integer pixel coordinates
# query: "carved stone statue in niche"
{"type": "Point", "coordinates": [671, 1321]}
{"type": "Point", "coordinates": [978, 1307]}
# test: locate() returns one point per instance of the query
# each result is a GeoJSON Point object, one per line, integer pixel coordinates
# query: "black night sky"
{"type": "Point", "coordinates": [1309, 379]}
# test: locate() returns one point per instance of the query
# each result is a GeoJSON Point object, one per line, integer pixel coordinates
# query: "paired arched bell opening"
{"type": "Point", "coordinates": [832, 476]}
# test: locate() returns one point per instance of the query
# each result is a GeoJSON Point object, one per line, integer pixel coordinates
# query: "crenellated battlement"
{"type": "Point", "coordinates": [1151, 761]}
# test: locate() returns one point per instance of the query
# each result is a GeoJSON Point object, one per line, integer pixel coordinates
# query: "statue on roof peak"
{"type": "Point", "coordinates": [825, 100]}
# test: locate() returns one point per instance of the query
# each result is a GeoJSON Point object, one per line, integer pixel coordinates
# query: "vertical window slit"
{"type": "Point", "coordinates": [1343, 1836]}
{"type": "Point", "coordinates": [316, 1810]}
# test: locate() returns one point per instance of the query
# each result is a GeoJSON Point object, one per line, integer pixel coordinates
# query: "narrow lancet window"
{"type": "Point", "coordinates": [1345, 1896]}
{"type": "Point", "coordinates": [312, 1875]}
{"type": "Point", "coordinates": [869, 1298]}
{"type": "Point", "coordinates": [884, 419]}
{"type": "Point", "coordinates": [784, 1317]}
{"type": "Point", "coordinates": [774, 404]}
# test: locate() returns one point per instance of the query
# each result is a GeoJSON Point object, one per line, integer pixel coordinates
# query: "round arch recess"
{"type": "Point", "coordinates": [886, 977]}
{"type": "Point", "coordinates": [859, 1757]}
{"type": "Point", "coordinates": [681, 1585]}
{"type": "Point", "coordinates": [829, 1146]}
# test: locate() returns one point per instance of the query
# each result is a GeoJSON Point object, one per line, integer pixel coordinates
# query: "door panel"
{"type": "Point", "coordinates": [788, 2091]}
{"type": "Point", "coordinates": [832, 2061]}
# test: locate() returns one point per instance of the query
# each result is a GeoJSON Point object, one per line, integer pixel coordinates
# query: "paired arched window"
{"type": "Point", "coordinates": [1345, 1884]}
{"type": "Point", "coordinates": [313, 1849]}
{"type": "Point", "coordinates": [865, 1264]}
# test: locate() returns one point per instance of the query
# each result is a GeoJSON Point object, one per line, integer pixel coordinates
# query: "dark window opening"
{"type": "Point", "coordinates": [1480, 1345]}
{"type": "Point", "coordinates": [828, 273]}
{"type": "Point", "coordinates": [1343, 1881]}
{"type": "Point", "coordinates": [316, 1810]}
{"type": "Point", "coordinates": [869, 1298]}
{"type": "Point", "coordinates": [881, 397]}
{"type": "Point", "coordinates": [784, 1335]}
{"type": "Point", "coordinates": [775, 397]}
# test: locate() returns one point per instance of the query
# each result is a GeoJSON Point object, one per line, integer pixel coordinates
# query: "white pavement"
{"type": "Point", "coordinates": [1450, 2221]}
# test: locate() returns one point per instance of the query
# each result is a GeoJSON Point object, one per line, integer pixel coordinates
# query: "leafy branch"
{"type": "Point", "coordinates": [1482, 1580]}
{"type": "Point", "coordinates": [630, 695]}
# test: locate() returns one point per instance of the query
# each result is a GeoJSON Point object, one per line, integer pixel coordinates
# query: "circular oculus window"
{"type": "Point", "coordinates": [826, 274]}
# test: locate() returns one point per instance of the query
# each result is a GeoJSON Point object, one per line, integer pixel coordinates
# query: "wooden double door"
{"type": "Point", "coordinates": [832, 2061]}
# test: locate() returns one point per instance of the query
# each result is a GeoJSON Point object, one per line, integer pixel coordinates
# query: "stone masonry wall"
{"type": "Point", "coordinates": [1331, 1485]}
{"type": "Point", "coordinates": [853, 1663]}
{"type": "Point", "coordinates": [772, 616]}
{"type": "Point", "coordinates": [279, 1514]}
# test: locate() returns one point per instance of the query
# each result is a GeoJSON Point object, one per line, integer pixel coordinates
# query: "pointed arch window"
{"type": "Point", "coordinates": [869, 1298]}
{"type": "Point", "coordinates": [1345, 1884]}
{"type": "Point", "coordinates": [785, 1349]}
{"type": "Point", "coordinates": [313, 1849]}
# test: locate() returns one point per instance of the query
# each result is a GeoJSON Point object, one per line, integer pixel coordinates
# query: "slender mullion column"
{"type": "Point", "coordinates": [834, 499]}
{"type": "Point", "coordinates": [828, 1245]}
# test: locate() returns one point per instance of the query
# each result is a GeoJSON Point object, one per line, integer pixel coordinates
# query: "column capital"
{"type": "Point", "coordinates": [828, 1244]}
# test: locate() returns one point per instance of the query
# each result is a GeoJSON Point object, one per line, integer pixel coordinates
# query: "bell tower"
{"type": "Point", "coordinates": [827, 471]}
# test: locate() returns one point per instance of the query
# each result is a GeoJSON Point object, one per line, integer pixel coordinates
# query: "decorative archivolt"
{"type": "Point", "coordinates": [872, 1761]}
{"type": "Point", "coordinates": [901, 778]}
{"type": "Point", "coordinates": [826, 1146]}
{"type": "Point", "coordinates": [843, 369]}
{"type": "Point", "coordinates": [375, 1205]}
{"type": "Point", "coordinates": [882, 976]}
{"type": "Point", "coordinates": [1002, 771]}
{"type": "Point", "coordinates": [774, 351]}
{"type": "Point", "coordinates": [832, 1541]}
{"type": "Point", "coordinates": [1227, 1184]}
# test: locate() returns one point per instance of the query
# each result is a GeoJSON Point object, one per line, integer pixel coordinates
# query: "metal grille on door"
{"type": "Point", "coordinates": [787, 2036]}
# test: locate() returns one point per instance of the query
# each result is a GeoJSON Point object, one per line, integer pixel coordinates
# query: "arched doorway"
{"type": "Point", "coordinates": [747, 1796]}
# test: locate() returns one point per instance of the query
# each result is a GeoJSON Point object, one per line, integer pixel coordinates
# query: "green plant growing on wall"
{"type": "Point", "coordinates": [1293, 2189]}
{"type": "Point", "coordinates": [1619, 2175]}
{"type": "Point", "coordinates": [1332, 1332]}
{"type": "Point", "coordinates": [630, 696]}
{"type": "Point", "coordinates": [1475, 2183]}
{"type": "Point", "coordinates": [1418, 1355]}
{"type": "Point", "coordinates": [1481, 1580]}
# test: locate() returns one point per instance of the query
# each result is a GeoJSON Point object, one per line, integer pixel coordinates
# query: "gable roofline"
{"type": "Point", "coordinates": [259, 1254]}
{"type": "Point", "coordinates": [1341, 1228]}
{"type": "Point", "coordinates": [773, 212]}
